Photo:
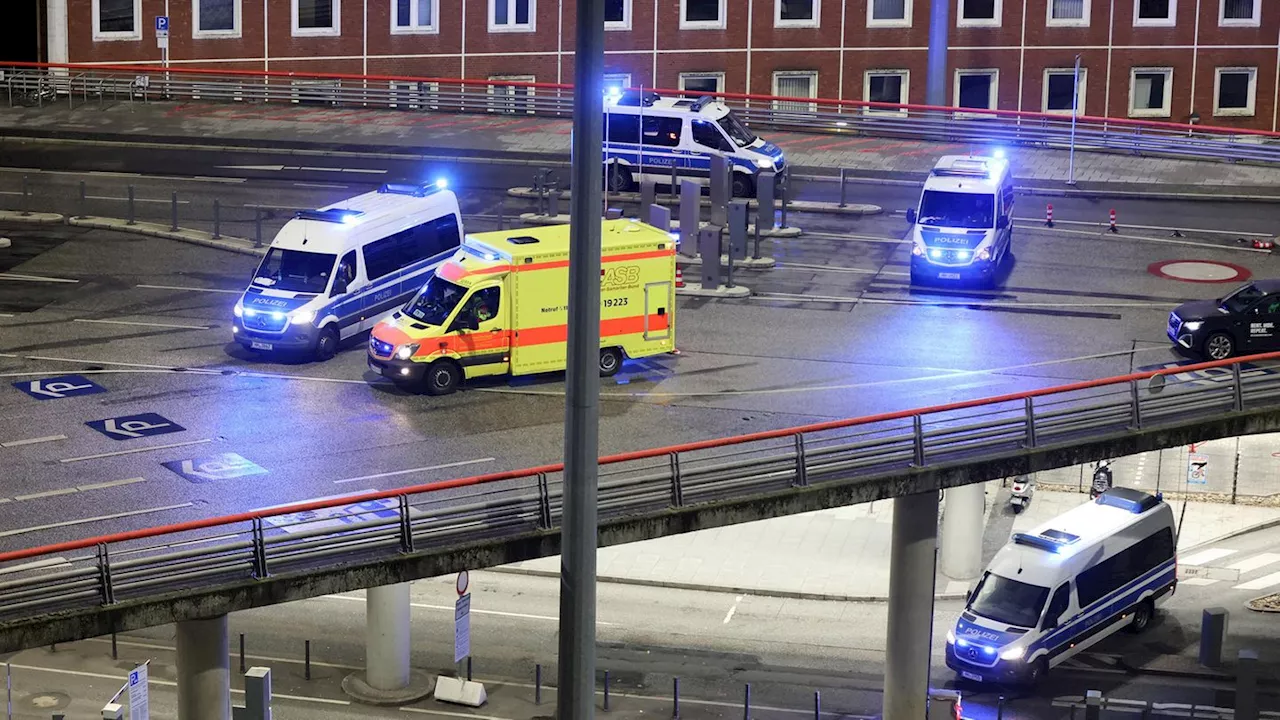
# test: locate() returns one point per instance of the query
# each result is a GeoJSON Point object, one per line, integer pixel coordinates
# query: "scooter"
{"type": "Point", "coordinates": [1102, 480]}
{"type": "Point", "coordinates": [1020, 493]}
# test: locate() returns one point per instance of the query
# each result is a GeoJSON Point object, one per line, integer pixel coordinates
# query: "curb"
{"type": "Point", "coordinates": [420, 686]}
{"type": "Point", "coordinates": [193, 237]}
{"type": "Point", "coordinates": [34, 218]}
{"type": "Point", "coordinates": [702, 587]}
{"type": "Point", "coordinates": [1256, 527]}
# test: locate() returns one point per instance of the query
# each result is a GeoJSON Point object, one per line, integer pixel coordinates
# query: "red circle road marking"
{"type": "Point", "coordinates": [1200, 271]}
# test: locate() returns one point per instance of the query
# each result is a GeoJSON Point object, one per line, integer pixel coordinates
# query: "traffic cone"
{"type": "Point", "coordinates": [679, 277]}
{"type": "Point", "coordinates": [1113, 221]}
{"type": "Point", "coordinates": [1048, 220]}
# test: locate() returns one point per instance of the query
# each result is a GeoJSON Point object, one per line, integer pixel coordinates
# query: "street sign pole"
{"type": "Point", "coordinates": [577, 661]}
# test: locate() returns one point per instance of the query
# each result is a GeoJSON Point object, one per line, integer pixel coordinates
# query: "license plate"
{"type": "Point", "coordinates": [971, 676]}
{"type": "Point", "coordinates": [949, 276]}
{"type": "Point", "coordinates": [255, 345]}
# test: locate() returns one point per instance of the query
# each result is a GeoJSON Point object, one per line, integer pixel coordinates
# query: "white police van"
{"type": "Point", "coordinates": [963, 227]}
{"type": "Point", "coordinates": [1064, 586]}
{"type": "Point", "coordinates": [646, 135]}
{"type": "Point", "coordinates": [335, 272]}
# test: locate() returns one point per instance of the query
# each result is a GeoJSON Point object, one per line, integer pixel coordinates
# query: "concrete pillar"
{"type": "Point", "coordinates": [908, 642]}
{"type": "Point", "coordinates": [56, 31]}
{"type": "Point", "coordinates": [204, 670]}
{"type": "Point", "coordinates": [963, 521]}
{"type": "Point", "coordinates": [387, 637]}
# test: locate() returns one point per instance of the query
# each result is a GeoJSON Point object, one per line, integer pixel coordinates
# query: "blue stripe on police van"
{"type": "Point", "coordinates": [1109, 606]}
{"type": "Point", "coordinates": [340, 307]}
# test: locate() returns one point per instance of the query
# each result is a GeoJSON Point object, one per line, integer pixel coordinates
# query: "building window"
{"type": "Point", "coordinates": [1151, 90]}
{"type": "Point", "coordinates": [976, 89]}
{"type": "Point", "coordinates": [617, 14]}
{"type": "Point", "coordinates": [117, 19]}
{"type": "Point", "coordinates": [1059, 87]}
{"type": "Point", "coordinates": [411, 17]}
{"type": "Point", "coordinates": [793, 84]}
{"type": "Point", "coordinates": [511, 99]}
{"type": "Point", "coordinates": [889, 13]}
{"type": "Point", "coordinates": [1069, 13]}
{"type": "Point", "coordinates": [1158, 13]}
{"type": "Point", "coordinates": [1240, 13]}
{"type": "Point", "coordinates": [795, 13]}
{"type": "Point", "coordinates": [618, 81]}
{"type": "Point", "coordinates": [702, 14]}
{"type": "Point", "coordinates": [1234, 90]}
{"type": "Point", "coordinates": [317, 17]}
{"type": "Point", "coordinates": [513, 15]}
{"type": "Point", "coordinates": [698, 84]}
{"type": "Point", "coordinates": [215, 18]}
{"type": "Point", "coordinates": [980, 13]}
{"type": "Point", "coordinates": [886, 86]}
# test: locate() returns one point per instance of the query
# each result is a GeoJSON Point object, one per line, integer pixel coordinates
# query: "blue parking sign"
{"type": "Point", "coordinates": [162, 23]}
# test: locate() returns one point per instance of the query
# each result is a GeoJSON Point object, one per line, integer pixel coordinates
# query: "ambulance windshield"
{"type": "Point", "coordinates": [295, 271]}
{"type": "Point", "coordinates": [435, 301]}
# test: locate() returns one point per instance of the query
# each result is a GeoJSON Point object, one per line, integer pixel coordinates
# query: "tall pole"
{"type": "Point", "coordinates": [935, 88]}
{"type": "Point", "coordinates": [577, 660]}
{"type": "Point", "coordinates": [1075, 112]}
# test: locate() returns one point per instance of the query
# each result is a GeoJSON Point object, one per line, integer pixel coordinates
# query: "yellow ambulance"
{"type": "Point", "coordinates": [500, 305]}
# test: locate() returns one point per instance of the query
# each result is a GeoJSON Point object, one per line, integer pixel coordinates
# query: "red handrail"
{"type": "Point", "coordinates": [852, 104]}
{"type": "Point", "coordinates": [611, 459]}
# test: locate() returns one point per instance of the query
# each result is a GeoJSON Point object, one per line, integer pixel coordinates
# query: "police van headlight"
{"type": "Point", "coordinates": [951, 637]}
{"type": "Point", "coordinates": [764, 163]}
{"type": "Point", "coordinates": [238, 310]}
{"type": "Point", "coordinates": [1013, 653]}
{"type": "Point", "coordinates": [984, 254]}
{"type": "Point", "coordinates": [1192, 326]}
{"type": "Point", "coordinates": [302, 317]}
{"type": "Point", "coordinates": [404, 352]}
{"type": "Point", "coordinates": [917, 250]}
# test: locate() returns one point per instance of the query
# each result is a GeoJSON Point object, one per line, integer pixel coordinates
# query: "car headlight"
{"type": "Point", "coordinates": [984, 254]}
{"type": "Point", "coordinates": [1192, 326]}
{"type": "Point", "coordinates": [404, 352]}
{"type": "Point", "coordinates": [1013, 653]}
{"type": "Point", "coordinates": [951, 637]}
{"type": "Point", "coordinates": [764, 163]}
{"type": "Point", "coordinates": [238, 310]}
{"type": "Point", "coordinates": [917, 250]}
{"type": "Point", "coordinates": [302, 317]}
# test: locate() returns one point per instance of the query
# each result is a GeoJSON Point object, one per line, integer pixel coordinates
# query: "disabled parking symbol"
{"type": "Point", "coordinates": [224, 466]}
{"type": "Point", "coordinates": [57, 388]}
{"type": "Point", "coordinates": [131, 427]}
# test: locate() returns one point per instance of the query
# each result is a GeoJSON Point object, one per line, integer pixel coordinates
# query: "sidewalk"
{"type": "Point", "coordinates": [541, 141]}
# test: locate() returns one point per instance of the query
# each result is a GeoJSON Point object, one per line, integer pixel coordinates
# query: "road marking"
{"type": "Point", "coordinates": [796, 297]}
{"type": "Point", "coordinates": [1261, 583]}
{"type": "Point", "coordinates": [135, 450]}
{"type": "Point", "coordinates": [144, 324]}
{"type": "Point", "coordinates": [33, 441]}
{"type": "Point", "coordinates": [1197, 581]}
{"type": "Point", "coordinates": [1101, 224]}
{"type": "Point", "coordinates": [18, 277]}
{"type": "Point", "coordinates": [78, 489]}
{"type": "Point", "coordinates": [855, 238]}
{"type": "Point", "coordinates": [55, 561]}
{"type": "Point", "coordinates": [414, 470]}
{"type": "Point", "coordinates": [450, 608]}
{"type": "Point", "coordinates": [266, 658]}
{"type": "Point", "coordinates": [136, 199]}
{"type": "Point", "coordinates": [100, 518]}
{"type": "Point", "coordinates": [1206, 556]}
{"type": "Point", "coordinates": [365, 171]}
{"type": "Point", "coordinates": [167, 683]}
{"type": "Point", "coordinates": [122, 364]}
{"type": "Point", "coordinates": [732, 609]}
{"type": "Point", "coordinates": [321, 186]}
{"type": "Point", "coordinates": [839, 269]}
{"type": "Point", "coordinates": [189, 289]}
{"type": "Point", "coordinates": [1255, 562]}
{"type": "Point", "coordinates": [261, 168]}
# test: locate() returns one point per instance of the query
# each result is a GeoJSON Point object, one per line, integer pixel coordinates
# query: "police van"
{"type": "Point", "coordinates": [335, 272]}
{"type": "Point", "coordinates": [1064, 586]}
{"type": "Point", "coordinates": [963, 227]}
{"type": "Point", "coordinates": [646, 135]}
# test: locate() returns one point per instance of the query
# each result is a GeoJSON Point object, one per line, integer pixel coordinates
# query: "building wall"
{"type": "Point", "coordinates": [749, 49]}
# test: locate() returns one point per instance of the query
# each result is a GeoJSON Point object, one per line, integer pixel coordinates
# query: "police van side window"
{"type": "Point", "coordinates": [622, 128]}
{"type": "Point", "coordinates": [1124, 567]}
{"type": "Point", "coordinates": [1057, 606]}
{"type": "Point", "coordinates": [708, 135]}
{"type": "Point", "coordinates": [392, 253]}
{"type": "Point", "coordinates": [346, 273]}
{"type": "Point", "coordinates": [661, 131]}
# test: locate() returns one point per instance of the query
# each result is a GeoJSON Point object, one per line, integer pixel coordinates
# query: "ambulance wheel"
{"type": "Point", "coordinates": [619, 178]}
{"type": "Point", "coordinates": [610, 362]}
{"type": "Point", "coordinates": [743, 186]}
{"type": "Point", "coordinates": [327, 343]}
{"type": "Point", "coordinates": [442, 377]}
{"type": "Point", "coordinates": [1142, 617]}
{"type": "Point", "coordinates": [1219, 346]}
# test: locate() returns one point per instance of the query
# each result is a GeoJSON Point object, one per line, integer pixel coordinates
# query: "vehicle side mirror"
{"type": "Point", "coordinates": [911, 215]}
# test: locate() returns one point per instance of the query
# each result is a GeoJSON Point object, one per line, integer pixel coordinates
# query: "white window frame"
{"type": "Point", "coordinates": [903, 22]}
{"type": "Point", "coordinates": [626, 18]}
{"type": "Point", "coordinates": [513, 26]}
{"type": "Point", "coordinates": [99, 35]}
{"type": "Point", "coordinates": [1256, 21]}
{"type": "Point", "coordinates": [198, 34]}
{"type": "Point", "coordinates": [813, 88]}
{"type": "Point", "coordinates": [718, 76]}
{"type": "Point", "coordinates": [704, 24]}
{"type": "Point", "coordinates": [334, 31]}
{"type": "Point", "coordinates": [996, 19]}
{"type": "Point", "coordinates": [1081, 92]}
{"type": "Point", "coordinates": [513, 100]}
{"type": "Point", "coordinates": [1251, 109]}
{"type": "Point", "coordinates": [902, 99]}
{"type": "Point", "coordinates": [414, 6]}
{"type": "Point", "coordinates": [1051, 21]}
{"type": "Point", "coordinates": [1167, 109]}
{"type": "Point", "coordinates": [778, 22]}
{"type": "Point", "coordinates": [993, 94]}
{"type": "Point", "coordinates": [1170, 21]}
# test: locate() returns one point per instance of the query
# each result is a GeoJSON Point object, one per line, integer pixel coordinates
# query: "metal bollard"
{"type": "Point", "coordinates": [746, 703]}
{"type": "Point", "coordinates": [173, 211]}
{"type": "Point", "coordinates": [675, 185]}
{"type": "Point", "coordinates": [502, 214]}
{"type": "Point", "coordinates": [242, 668]}
{"type": "Point", "coordinates": [115, 655]}
{"type": "Point", "coordinates": [468, 668]}
{"type": "Point", "coordinates": [817, 705]}
{"type": "Point", "coordinates": [1000, 708]}
{"type": "Point", "coordinates": [308, 660]}
{"type": "Point", "coordinates": [842, 172]}
{"type": "Point", "coordinates": [257, 228]}
{"type": "Point", "coordinates": [1213, 634]}
{"type": "Point", "coordinates": [1246, 685]}
{"type": "Point", "coordinates": [786, 193]}
{"type": "Point", "coordinates": [675, 697]}
{"type": "Point", "coordinates": [1093, 705]}
{"type": "Point", "coordinates": [606, 691]}
{"type": "Point", "coordinates": [129, 211]}
{"type": "Point", "coordinates": [217, 219]}
{"type": "Point", "coordinates": [553, 203]}
{"type": "Point", "coordinates": [84, 200]}
{"type": "Point", "coordinates": [537, 684]}
{"type": "Point", "coordinates": [26, 196]}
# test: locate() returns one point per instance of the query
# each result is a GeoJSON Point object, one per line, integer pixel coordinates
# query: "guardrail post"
{"type": "Point", "coordinates": [115, 652]}
{"type": "Point", "coordinates": [406, 525]}
{"type": "Point", "coordinates": [544, 502]}
{"type": "Point", "coordinates": [217, 219]}
{"type": "Point", "coordinates": [917, 426]}
{"type": "Point", "coordinates": [259, 551]}
{"type": "Point", "coordinates": [677, 492]}
{"type": "Point", "coordinates": [842, 198]}
{"type": "Point", "coordinates": [802, 477]}
{"type": "Point", "coordinates": [26, 196]}
{"type": "Point", "coordinates": [1031, 423]}
{"type": "Point", "coordinates": [129, 212]}
{"type": "Point", "coordinates": [1135, 405]}
{"type": "Point", "coordinates": [257, 227]}
{"type": "Point", "coordinates": [104, 575]}
{"type": "Point", "coordinates": [1237, 388]}
{"type": "Point", "coordinates": [173, 211]}
{"type": "Point", "coordinates": [502, 213]}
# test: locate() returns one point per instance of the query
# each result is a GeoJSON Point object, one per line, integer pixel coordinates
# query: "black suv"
{"type": "Point", "coordinates": [1245, 322]}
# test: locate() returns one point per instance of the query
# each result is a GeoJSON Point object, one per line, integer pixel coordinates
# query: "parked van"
{"type": "Point", "coordinates": [963, 226]}
{"type": "Point", "coordinates": [335, 272]}
{"type": "Point", "coordinates": [1064, 586]}
{"type": "Point", "coordinates": [646, 135]}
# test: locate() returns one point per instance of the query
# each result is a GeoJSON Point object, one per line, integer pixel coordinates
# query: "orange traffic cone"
{"type": "Point", "coordinates": [679, 277]}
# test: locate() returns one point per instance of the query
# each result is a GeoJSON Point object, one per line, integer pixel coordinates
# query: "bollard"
{"type": "Point", "coordinates": [746, 702]}
{"type": "Point", "coordinates": [308, 660]}
{"type": "Point", "coordinates": [84, 200]}
{"type": "Point", "coordinates": [26, 196]}
{"type": "Point", "coordinates": [115, 655]}
{"type": "Point", "coordinates": [606, 691]}
{"type": "Point", "coordinates": [502, 214]}
{"type": "Point", "coordinates": [553, 203]}
{"type": "Point", "coordinates": [648, 196]}
{"type": "Point", "coordinates": [1247, 685]}
{"type": "Point", "coordinates": [720, 190]}
{"type": "Point", "coordinates": [173, 211]}
{"type": "Point", "coordinates": [242, 668]}
{"type": "Point", "coordinates": [782, 221]}
{"type": "Point", "coordinates": [675, 185]}
{"type": "Point", "coordinates": [1113, 221]}
{"type": "Point", "coordinates": [468, 668]}
{"type": "Point", "coordinates": [817, 705]}
{"type": "Point", "coordinates": [1093, 705]}
{"type": "Point", "coordinates": [675, 697]}
{"type": "Point", "coordinates": [1213, 633]}
{"type": "Point", "coordinates": [764, 208]}
{"type": "Point", "coordinates": [257, 236]}
{"type": "Point", "coordinates": [1000, 702]}
{"type": "Point", "coordinates": [690, 213]}
{"type": "Point", "coordinates": [129, 210]}
{"type": "Point", "coordinates": [709, 249]}
{"type": "Point", "coordinates": [842, 172]}
{"type": "Point", "coordinates": [1048, 215]}
{"type": "Point", "coordinates": [217, 219]}
{"type": "Point", "coordinates": [537, 684]}
{"type": "Point", "coordinates": [659, 216]}
{"type": "Point", "coordinates": [613, 213]}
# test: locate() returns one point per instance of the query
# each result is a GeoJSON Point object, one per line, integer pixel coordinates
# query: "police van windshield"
{"type": "Point", "coordinates": [736, 131]}
{"type": "Point", "coordinates": [1008, 601]}
{"type": "Point", "coordinates": [295, 271]}
{"type": "Point", "coordinates": [435, 301]}
{"type": "Point", "coordinates": [960, 210]}
{"type": "Point", "coordinates": [1242, 298]}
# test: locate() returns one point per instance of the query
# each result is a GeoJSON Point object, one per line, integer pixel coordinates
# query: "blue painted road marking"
{"type": "Point", "coordinates": [131, 427]}
{"type": "Point", "coordinates": [224, 466]}
{"type": "Point", "coordinates": [56, 388]}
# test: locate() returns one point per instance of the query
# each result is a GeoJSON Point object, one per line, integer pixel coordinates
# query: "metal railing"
{"type": "Point", "coordinates": [307, 537]}
{"type": "Point", "coordinates": [39, 83]}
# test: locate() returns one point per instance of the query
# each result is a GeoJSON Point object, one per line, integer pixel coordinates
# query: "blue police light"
{"type": "Point", "coordinates": [277, 316]}
{"type": "Point", "coordinates": [442, 183]}
{"type": "Point", "coordinates": [962, 254]}
{"type": "Point", "coordinates": [999, 153]}
{"type": "Point", "coordinates": [989, 650]}
{"type": "Point", "coordinates": [349, 219]}
{"type": "Point", "coordinates": [935, 253]}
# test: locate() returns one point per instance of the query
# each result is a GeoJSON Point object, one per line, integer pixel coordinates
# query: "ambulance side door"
{"type": "Point", "coordinates": [482, 332]}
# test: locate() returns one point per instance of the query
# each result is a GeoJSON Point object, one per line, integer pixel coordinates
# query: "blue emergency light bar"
{"type": "Point", "coordinates": [412, 190]}
{"type": "Point", "coordinates": [336, 215]}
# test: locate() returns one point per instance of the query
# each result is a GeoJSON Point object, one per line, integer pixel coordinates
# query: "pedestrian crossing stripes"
{"type": "Point", "coordinates": [1213, 566]}
{"type": "Point", "coordinates": [1094, 663]}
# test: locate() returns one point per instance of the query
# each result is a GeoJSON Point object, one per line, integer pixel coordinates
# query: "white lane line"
{"type": "Point", "coordinates": [1261, 583]}
{"type": "Point", "coordinates": [450, 608]}
{"type": "Point", "coordinates": [136, 199]}
{"type": "Point", "coordinates": [191, 371]}
{"type": "Point", "coordinates": [321, 186]}
{"type": "Point", "coordinates": [144, 324]}
{"type": "Point", "coordinates": [1255, 562]}
{"type": "Point", "coordinates": [76, 489]}
{"type": "Point", "coordinates": [122, 364]}
{"type": "Point", "coordinates": [118, 453]}
{"type": "Point", "coordinates": [1090, 223]}
{"type": "Point", "coordinates": [732, 609]}
{"type": "Point", "coordinates": [167, 683]}
{"type": "Point", "coordinates": [100, 518]}
{"type": "Point", "coordinates": [261, 168]}
{"type": "Point", "coordinates": [18, 277]}
{"type": "Point", "coordinates": [33, 441]}
{"type": "Point", "coordinates": [795, 297]}
{"type": "Point", "coordinates": [189, 289]}
{"type": "Point", "coordinates": [365, 171]}
{"type": "Point", "coordinates": [414, 470]}
{"type": "Point", "coordinates": [7, 315]}
{"type": "Point", "coordinates": [1206, 556]}
{"type": "Point", "coordinates": [446, 713]}
{"type": "Point", "coordinates": [855, 238]}
{"type": "Point", "coordinates": [55, 561]}
{"type": "Point", "coordinates": [1198, 582]}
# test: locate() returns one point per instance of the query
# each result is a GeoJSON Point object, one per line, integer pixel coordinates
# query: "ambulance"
{"type": "Point", "coordinates": [500, 306]}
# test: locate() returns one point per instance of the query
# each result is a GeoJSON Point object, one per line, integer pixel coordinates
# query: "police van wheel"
{"type": "Point", "coordinates": [610, 362]}
{"type": "Point", "coordinates": [619, 178]}
{"type": "Point", "coordinates": [1219, 346]}
{"type": "Point", "coordinates": [442, 377]}
{"type": "Point", "coordinates": [1038, 671]}
{"type": "Point", "coordinates": [327, 344]}
{"type": "Point", "coordinates": [1142, 617]}
{"type": "Point", "coordinates": [743, 186]}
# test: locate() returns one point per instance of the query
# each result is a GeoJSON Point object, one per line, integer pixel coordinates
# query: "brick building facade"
{"type": "Point", "coordinates": [1155, 59]}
